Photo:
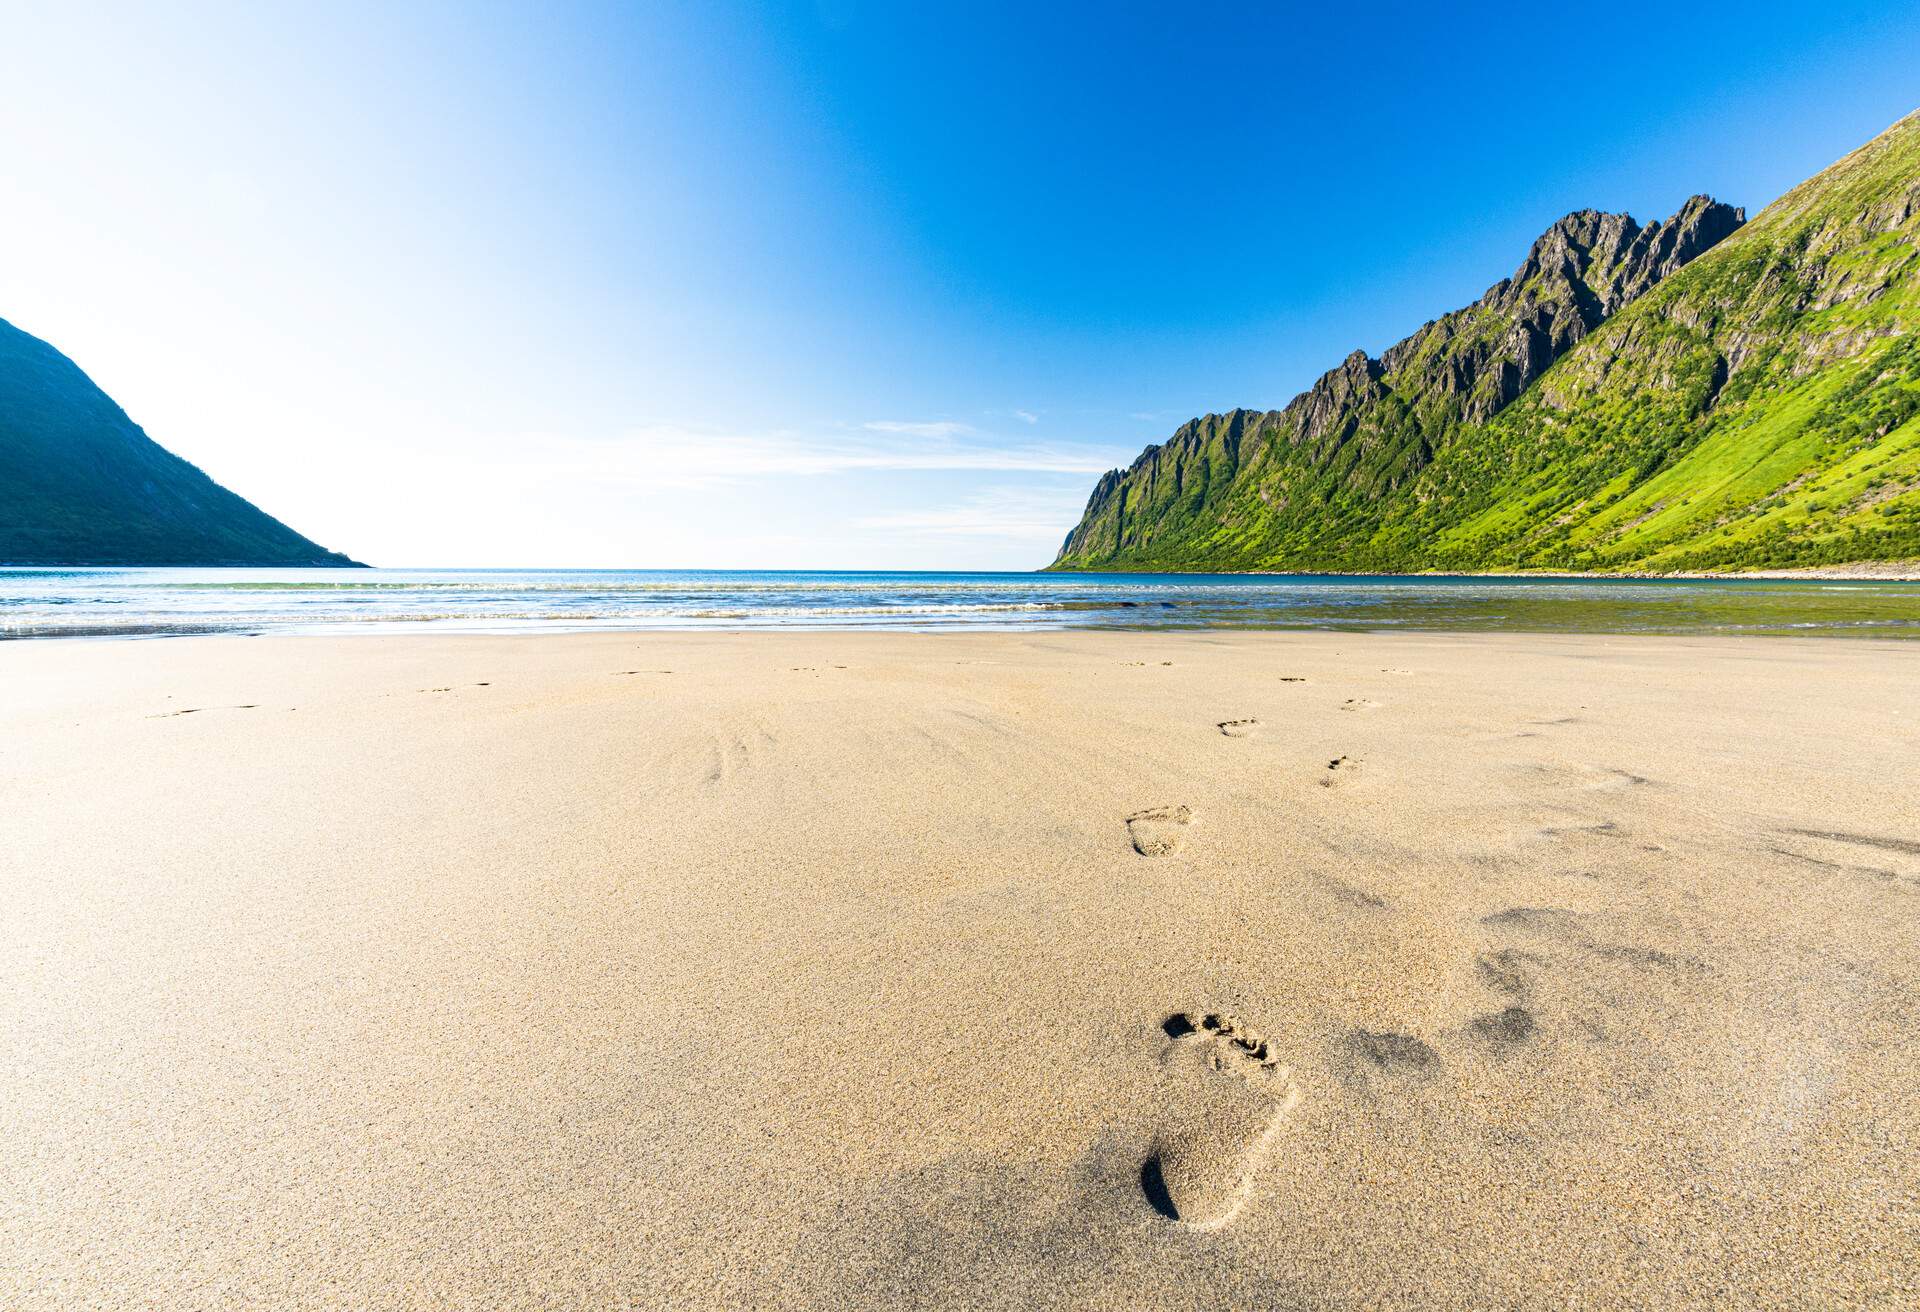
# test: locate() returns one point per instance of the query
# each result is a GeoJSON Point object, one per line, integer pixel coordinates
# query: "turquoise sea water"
{"type": "Point", "coordinates": [155, 602]}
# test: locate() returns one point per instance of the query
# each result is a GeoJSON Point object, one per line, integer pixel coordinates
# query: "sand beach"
{"type": "Point", "coordinates": [1012, 970]}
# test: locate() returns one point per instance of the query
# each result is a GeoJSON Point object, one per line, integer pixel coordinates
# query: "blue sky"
{"type": "Point", "coordinates": [829, 284]}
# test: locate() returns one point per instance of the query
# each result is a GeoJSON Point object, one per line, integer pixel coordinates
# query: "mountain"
{"type": "Point", "coordinates": [81, 484]}
{"type": "Point", "coordinates": [1695, 394]}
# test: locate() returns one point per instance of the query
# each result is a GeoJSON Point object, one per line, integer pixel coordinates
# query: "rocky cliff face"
{"type": "Point", "coordinates": [1582, 270]}
{"type": "Point", "coordinates": [1226, 486]}
{"type": "Point", "coordinates": [1695, 394]}
{"type": "Point", "coordinates": [1758, 408]}
{"type": "Point", "coordinates": [81, 484]}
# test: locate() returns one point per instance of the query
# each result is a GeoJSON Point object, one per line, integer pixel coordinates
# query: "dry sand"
{"type": "Point", "coordinates": [883, 970]}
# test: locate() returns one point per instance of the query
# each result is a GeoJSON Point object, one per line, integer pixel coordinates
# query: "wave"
{"type": "Point", "coordinates": [161, 602]}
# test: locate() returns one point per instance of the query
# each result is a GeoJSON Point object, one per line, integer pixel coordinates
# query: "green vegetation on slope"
{"type": "Point", "coordinates": [81, 484]}
{"type": "Point", "coordinates": [1758, 406]}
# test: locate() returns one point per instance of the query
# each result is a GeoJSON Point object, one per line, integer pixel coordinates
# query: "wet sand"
{"type": "Point", "coordinates": [965, 970]}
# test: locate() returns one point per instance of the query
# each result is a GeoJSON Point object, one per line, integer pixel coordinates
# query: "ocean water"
{"type": "Point", "coordinates": [40, 603]}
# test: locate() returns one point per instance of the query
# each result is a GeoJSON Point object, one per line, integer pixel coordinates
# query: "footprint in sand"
{"type": "Point", "coordinates": [1504, 1029]}
{"type": "Point", "coordinates": [1340, 769]}
{"type": "Point", "coordinates": [1159, 830]}
{"type": "Point", "coordinates": [1359, 704]}
{"type": "Point", "coordinates": [1511, 971]}
{"type": "Point", "coordinates": [1230, 1100]}
{"type": "Point", "coordinates": [1383, 1060]}
{"type": "Point", "coordinates": [1238, 728]}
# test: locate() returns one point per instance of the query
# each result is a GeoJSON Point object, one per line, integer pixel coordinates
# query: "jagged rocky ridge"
{"type": "Point", "coordinates": [1522, 430]}
{"type": "Point", "coordinates": [82, 484]}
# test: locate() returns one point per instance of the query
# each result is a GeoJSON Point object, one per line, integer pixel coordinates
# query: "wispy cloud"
{"type": "Point", "coordinates": [934, 428]}
{"type": "Point", "coordinates": [1026, 416]}
{"type": "Point", "coordinates": [667, 456]}
{"type": "Point", "coordinates": [1015, 513]}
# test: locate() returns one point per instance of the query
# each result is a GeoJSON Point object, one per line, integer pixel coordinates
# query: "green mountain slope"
{"type": "Point", "coordinates": [1733, 399]}
{"type": "Point", "coordinates": [81, 484]}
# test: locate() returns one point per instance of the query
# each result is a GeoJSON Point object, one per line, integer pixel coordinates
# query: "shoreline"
{"type": "Point", "coordinates": [167, 604]}
{"type": "Point", "coordinates": [1895, 571]}
{"type": "Point", "coordinates": [1867, 571]}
